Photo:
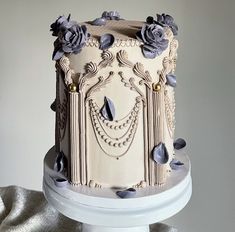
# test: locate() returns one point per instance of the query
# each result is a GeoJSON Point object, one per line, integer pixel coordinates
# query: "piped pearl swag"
{"type": "Point", "coordinates": [103, 128]}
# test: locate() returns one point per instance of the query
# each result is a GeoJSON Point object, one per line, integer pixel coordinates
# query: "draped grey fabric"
{"type": "Point", "coordinates": [23, 210]}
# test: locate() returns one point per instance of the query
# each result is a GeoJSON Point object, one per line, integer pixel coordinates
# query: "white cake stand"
{"type": "Point", "coordinates": [100, 210]}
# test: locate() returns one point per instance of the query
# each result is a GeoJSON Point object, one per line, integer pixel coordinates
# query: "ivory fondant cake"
{"type": "Point", "coordinates": [115, 107]}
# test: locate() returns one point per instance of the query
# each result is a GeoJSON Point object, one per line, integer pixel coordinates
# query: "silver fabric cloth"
{"type": "Point", "coordinates": [23, 210]}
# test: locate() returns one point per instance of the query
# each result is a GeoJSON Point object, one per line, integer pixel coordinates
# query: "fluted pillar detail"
{"type": "Point", "coordinates": [160, 170]}
{"type": "Point", "coordinates": [74, 139]}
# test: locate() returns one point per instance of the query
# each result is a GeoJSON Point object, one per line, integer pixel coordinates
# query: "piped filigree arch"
{"type": "Point", "coordinates": [142, 78]}
{"type": "Point", "coordinates": [137, 68]}
{"type": "Point", "coordinates": [79, 92]}
{"type": "Point", "coordinates": [169, 65]}
{"type": "Point", "coordinates": [160, 105]}
{"type": "Point", "coordinates": [90, 69]}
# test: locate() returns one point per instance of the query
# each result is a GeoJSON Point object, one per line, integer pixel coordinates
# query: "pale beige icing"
{"type": "Point", "coordinates": [120, 29]}
{"type": "Point", "coordinates": [118, 153]}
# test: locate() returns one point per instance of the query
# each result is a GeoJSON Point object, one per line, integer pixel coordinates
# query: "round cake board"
{"type": "Point", "coordinates": [101, 210]}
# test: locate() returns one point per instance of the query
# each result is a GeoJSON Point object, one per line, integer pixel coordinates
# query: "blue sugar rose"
{"type": "Point", "coordinates": [153, 37]}
{"type": "Point", "coordinates": [164, 20]}
{"type": "Point", "coordinates": [70, 40]}
{"type": "Point", "coordinates": [61, 23]}
{"type": "Point", "coordinates": [71, 37]}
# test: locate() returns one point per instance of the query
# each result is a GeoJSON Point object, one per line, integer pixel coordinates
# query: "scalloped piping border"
{"type": "Point", "coordinates": [92, 42]}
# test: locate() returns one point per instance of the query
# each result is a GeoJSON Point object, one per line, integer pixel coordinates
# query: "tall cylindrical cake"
{"type": "Point", "coordinates": [115, 99]}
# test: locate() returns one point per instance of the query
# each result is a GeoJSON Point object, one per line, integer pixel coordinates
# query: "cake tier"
{"type": "Point", "coordinates": [115, 109]}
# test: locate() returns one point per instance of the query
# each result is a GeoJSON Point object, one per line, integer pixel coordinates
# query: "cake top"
{"type": "Point", "coordinates": [153, 35]}
{"type": "Point", "coordinates": [120, 29]}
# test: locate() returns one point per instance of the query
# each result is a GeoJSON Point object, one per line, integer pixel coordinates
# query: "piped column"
{"type": "Point", "coordinates": [160, 170]}
{"type": "Point", "coordinates": [75, 177]}
{"type": "Point", "coordinates": [150, 135]}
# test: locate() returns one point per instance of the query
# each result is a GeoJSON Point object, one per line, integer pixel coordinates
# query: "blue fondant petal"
{"type": "Point", "coordinates": [176, 164]}
{"type": "Point", "coordinates": [108, 109]}
{"type": "Point", "coordinates": [179, 143]}
{"type": "Point", "coordinates": [160, 154]}
{"type": "Point", "coordinates": [127, 193]}
{"type": "Point", "coordinates": [171, 80]}
{"type": "Point", "coordinates": [57, 54]}
{"type": "Point", "coordinates": [106, 41]}
{"type": "Point", "coordinates": [98, 22]}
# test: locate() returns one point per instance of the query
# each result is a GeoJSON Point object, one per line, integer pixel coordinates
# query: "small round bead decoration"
{"type": "Point", "coordinates": [72, 87]}
{"type": "Point", "coordinates": [156, 87]}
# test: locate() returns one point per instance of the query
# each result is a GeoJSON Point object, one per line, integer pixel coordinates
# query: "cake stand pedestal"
{"type": "Point", "coordinates": [100, 210]}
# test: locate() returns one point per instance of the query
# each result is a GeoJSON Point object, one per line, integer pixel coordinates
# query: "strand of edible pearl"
{"type": "Point", "coordinates": [106, 137]}
{"type": "Point", "coordinates": [115, 142]}
{"type": "Point", "coordinates": [115, 124]}
{"type": "Point", "coordinates": [102, 132]}
{"type": "Point", "coordinates": [128, 142]}
{"type": "Point", "coordinates": [122, 154]}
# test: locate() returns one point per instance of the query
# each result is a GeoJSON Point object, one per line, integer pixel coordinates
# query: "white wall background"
{"type": "Point", "coordinates": [204, 95]}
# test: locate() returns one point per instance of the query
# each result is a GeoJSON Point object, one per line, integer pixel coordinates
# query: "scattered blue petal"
{"type": "Point", "coordinates": [60, 162]}
{"type": "Point", "coordinates": [60, 182]}
{"type": "Point", "coordinates": [106, 41]}
{"type": "Point", "coordinates": [171, 80]}
{"type": "Point", "coordinates": [179, 143]}
{"type": "Point", "coordinates": [99, 22]}
{"type": "Point", "coordinates": [160, 154]}
{"type": "Point", "coordinates": [176, 164]}
{"type": "Point", "coordinates": [108, 109]}
{"type": "Point", "coordinates": [127, 193]}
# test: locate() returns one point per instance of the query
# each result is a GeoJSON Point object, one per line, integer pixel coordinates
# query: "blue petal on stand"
{"type": "Point", "coordinates": [171, 80]}
{"type": "Point", "coordinates": [160, 154]}
{"type": "Point", "coordinates": [179, 143]}
{"type": "Point", "coordinates": [60, 182]}
{"type": "Point", "coordinates": [106, 41]}
{"type": "Point", "coordinates": [127, 193]}
{"type": "Point", "coordinates": [108, 109]}
{"type": "Point", "coordinates": [176, 164]}
{"type": "Point", "coordinates": [60, 162]}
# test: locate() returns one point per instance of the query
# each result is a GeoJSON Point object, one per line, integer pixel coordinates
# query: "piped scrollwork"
{"type": "Point", "coordinates": [91, 69]}
{"type": "Point", "coordinates": [64, 64]}
{"type": "Point", "coordinates": [169, 64]}
{"type": "Point", "coordinates": [138, 68]}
